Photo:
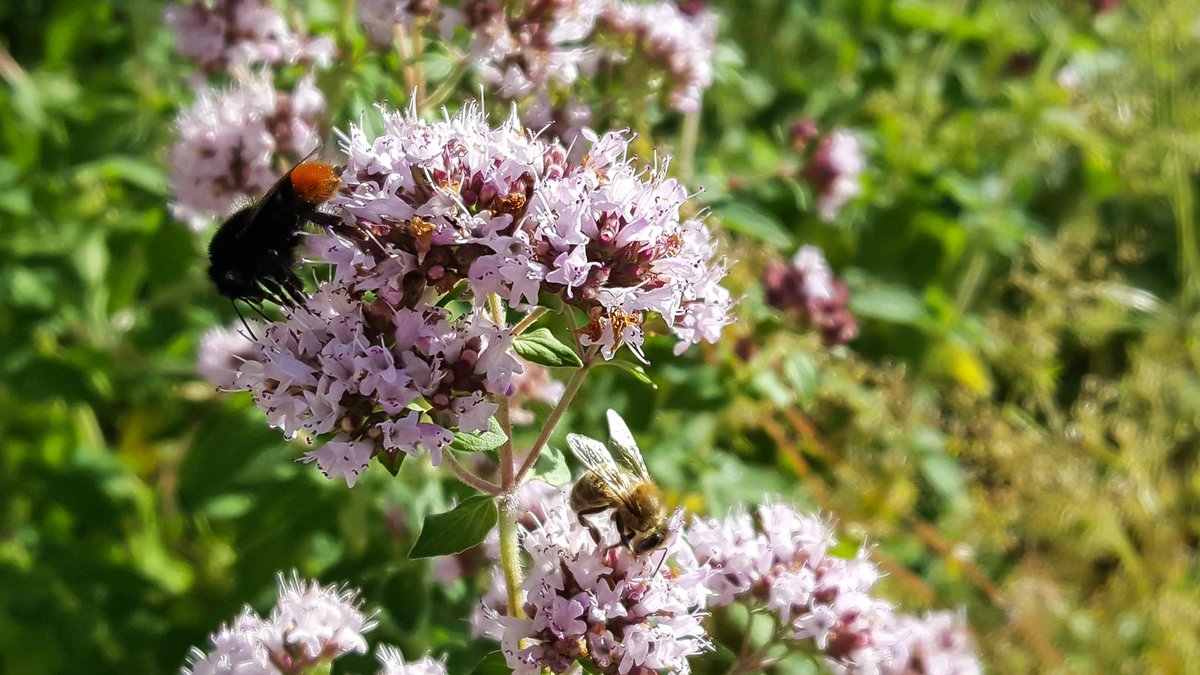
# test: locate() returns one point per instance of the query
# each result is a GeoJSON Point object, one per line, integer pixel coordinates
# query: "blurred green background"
{"type": "Point", "coordinates": [1015, 429]}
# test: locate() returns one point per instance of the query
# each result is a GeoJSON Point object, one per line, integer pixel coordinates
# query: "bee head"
{"type": "Point", "coordinates": [233, 283]}
{"type": "Point", "coordinates": [645, 542]}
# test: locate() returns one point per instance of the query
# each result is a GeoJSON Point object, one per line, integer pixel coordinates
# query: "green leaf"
{"type": "Point", "coordinates": [492, 664]}
{"type": "Point", "coordinates": [800, 372]}
{"type": "Point", "coordinates": [632, 368]}
{"type": "Point", "coordinates": [551, 467]}
{"type": "Point", "coordinates": [480, 441]}
{"type": "Point", "coordinates": [541, 347]}
{"type": "Point", "coordinates": [887, 303]}
{"type": "Point", "coordinates": [747, 220]}
{"type": "Point", "coordinates": [456, 530]}
{"type": "Point", "coordinates": [392, 464]}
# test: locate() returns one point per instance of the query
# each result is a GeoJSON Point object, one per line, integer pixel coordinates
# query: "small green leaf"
{"type": "Point", "coordinates": [392, 464]}
{"type": "Point", "coordinates": [800, 372]}
{"type": "Point", "coordinates": [456, 530]}
{"type": "Point", "coordinates": [888, 303]}
{"type": "Point", "coordinates": [634, 369]}
{"type": "Point", "coordinates": [551, 467]}
{"type": "Point", "coordinates": [480, 441]}
{"type": "Point", "coordinates": [541, 347]}
{"type": "Point", "coordinates": [589, 667]}
{"type": "Point", "coordinates": [747, 220]}
{"type": "Point", "coordinates": [492, 664]}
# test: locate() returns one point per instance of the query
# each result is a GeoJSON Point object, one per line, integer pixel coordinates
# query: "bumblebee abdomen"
{"type": "Point", "coordinates": [314, 182]}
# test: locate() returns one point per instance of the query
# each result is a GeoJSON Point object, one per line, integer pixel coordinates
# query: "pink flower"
{"type": "Point", "coordinates": [591, 601]}
{"type": "Point", "coordinates": [509, 214]}
{"type": "Point", "coordinates": [392, 662]}
{"type": "Point", "coordinates": [310, 625]}
{"type": "Point", "coordinates": [834, 172]}
{"type": "Point", "coordinates": [222, 352]}
{"type": "Point", "coordinates": [682, 43]}
{"type": "Point", "coordinates": [227, 141]}
{"type": "Point", "coordinates": [826, 599]}
{"type": "Point", "coordinates": [224, 34]}
{"type": "Point", "coordinates": [809, 288]}
{"type": "Point", "coordinates": [337, 364]}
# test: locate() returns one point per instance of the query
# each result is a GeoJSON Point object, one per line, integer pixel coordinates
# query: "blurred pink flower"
{"type": "Point", "coordinates": [682, 42]}
{"type": "Point", "coordinates": [310, 625]}
{"type": "Point", "coordinates": [227, 141]}
{"type": "Point", "coordinates": [834, 172]}
{"type": "Point", "coordinates": [808, 287]}
{"type": "Point", "coordinates": [222, 352]}
{"type": "Point", "coordinates": [392, 663]}
{"type": "Point", "coordinates": [226, 34]}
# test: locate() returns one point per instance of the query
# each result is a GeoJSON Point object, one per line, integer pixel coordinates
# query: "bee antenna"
{"type": "Point", "coordinates": [253, 337]}
{"type": "Point", "coordinates": [661, 560]}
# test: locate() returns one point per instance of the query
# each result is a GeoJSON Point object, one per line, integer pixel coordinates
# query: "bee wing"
{"type": "Point", "coordinates": [624, 447]}
{"type": "Point", "coordinates": [597, 459]}
{"type": "Point", "coordinates": [271, 191]}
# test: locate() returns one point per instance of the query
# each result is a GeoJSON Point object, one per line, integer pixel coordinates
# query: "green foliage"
{"type": "Point", "coordinates": [456, 530]}
{"type": "Point", "coordinates": [541, 347]}
{"type": "Point", "coordinates": [1014, 431]}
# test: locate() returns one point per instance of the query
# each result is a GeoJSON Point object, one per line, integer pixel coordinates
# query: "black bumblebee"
{"type": "Point", "coordinates": [252, 254]}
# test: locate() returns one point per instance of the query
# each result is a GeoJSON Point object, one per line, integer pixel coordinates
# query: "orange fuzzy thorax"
{"type": "Point", "coordinates": [314, 182]}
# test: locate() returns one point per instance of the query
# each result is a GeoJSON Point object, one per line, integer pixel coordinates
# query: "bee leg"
{"type": "Point", "coordinates": [626, 536]}
{"type": "Point", "coordinates": [589, 524]}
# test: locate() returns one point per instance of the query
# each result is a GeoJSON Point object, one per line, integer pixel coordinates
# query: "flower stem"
{"type": "Point", "coordinates": [510, 559]}
{"type": "Point", "coordinates": [687, 153]}
{"type": "Point", "coordinates": [589, 359]}
{"type": "Point", "coordinates": [461, 473]}
{"type": "Point", "coordinates": [528, 320]}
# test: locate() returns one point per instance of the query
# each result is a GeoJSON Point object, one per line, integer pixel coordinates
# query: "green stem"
{"type": "Point", "coordinates": [510, 558]}
{"type": "Point", "coordinates": [460, 472]}
{"type": "Point", "coordinates": [589, 359]}
{"type": "Point", "coordinates": [687, 151]}
{"type": "Point", "coordinates": [529, 320]}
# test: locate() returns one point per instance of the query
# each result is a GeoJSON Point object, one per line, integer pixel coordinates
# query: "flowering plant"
{"type": "Point", "coordinates": [460, 266]}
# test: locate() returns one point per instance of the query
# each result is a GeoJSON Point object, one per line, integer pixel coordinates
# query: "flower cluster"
{"type": "Point", "coordinates": [355, 369]}
{"type": "Point", "coordinates": [392, 663]}
{"type": "Point", "coordinates": [786, 564]}
{"type": "Point", "coordinates": [227, 34]}
{"type": "Point", "coordinates": [533, 383]}
{"type": "Point", "coordinates": [309, 625]}
{"type": "Point", "coordinates": [222, 353]}
{"type": "Point", "coordinates": [522, 50]}
{"type": "Point", "coordinates": [507, 213]}
{"type": "Point", "coordinates": [682, 42]}
{"type": "Point", "coordinates": [600, 603]}
{"type": "Point", "coordinates": [834, 172]}
{"type": "Point", "coordinates": [381, 17]}
{"type": "Point", "coordinates": [228, 138]}
{"type": "Point", "coordinates": [808, 287]}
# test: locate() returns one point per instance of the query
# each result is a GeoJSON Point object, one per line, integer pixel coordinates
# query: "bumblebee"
{"type": "Point", "coordinates": [252, 254]}
{"type": "Point", "coordinates": [618, 480]}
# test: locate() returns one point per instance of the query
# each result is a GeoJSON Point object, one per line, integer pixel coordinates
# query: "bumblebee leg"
{"type": "Point", "coordinates": [274, 291]}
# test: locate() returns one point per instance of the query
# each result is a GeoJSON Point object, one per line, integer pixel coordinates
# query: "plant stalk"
{"type": "Point", "coordinates": [510, 555]}
{"type": "Point", "coordinates": [589, 359]}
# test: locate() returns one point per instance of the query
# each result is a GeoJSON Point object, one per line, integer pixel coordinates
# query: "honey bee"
{"type": "Point", "coordinates": [622, 484]}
